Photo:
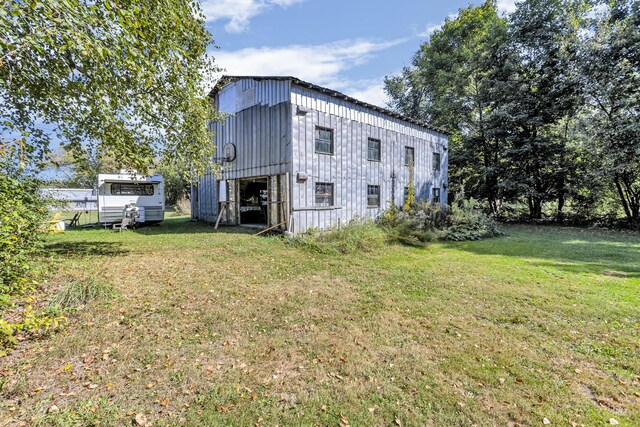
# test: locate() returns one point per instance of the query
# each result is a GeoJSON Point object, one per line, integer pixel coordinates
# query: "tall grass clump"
{"type": "Point", "coordinates": [359, 235]}
{"type": "Point", "coordinates": [425, 222]}
{"type": "Point", "coordinates": [467, 221]}
{"type": "Point", "coordinates": [81, 292]}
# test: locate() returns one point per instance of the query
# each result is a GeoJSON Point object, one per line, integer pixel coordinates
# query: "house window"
{"type": "Point", "coordinates": [406, 193]}
{"type": "Point", "coordinates": [436, 195]}
{"type": "Point", "coordinates": [324, 194]}
{"type": "Point", "coordinates": [373, 152]}
{"type": "Point", "coordinates": [373, 196]}
{"type": "Point", "coordinates": [436, 162]}
{"type": "Point", "coordinates": [409, 156]}
{"type": "Point", "coordinates": [324, 140]}
{"type": "Point", "coordinates": [132, 189]}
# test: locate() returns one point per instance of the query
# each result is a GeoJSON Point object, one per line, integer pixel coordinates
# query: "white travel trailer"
{"type": "Point", "coordinates": [115, 191]}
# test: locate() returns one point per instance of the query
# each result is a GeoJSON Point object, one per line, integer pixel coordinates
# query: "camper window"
{"type": "Point", "coordinates": [132, 189]}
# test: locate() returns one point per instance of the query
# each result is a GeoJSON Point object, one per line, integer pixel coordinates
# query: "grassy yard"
{"type": "Point", "coordinates": [224, 328]}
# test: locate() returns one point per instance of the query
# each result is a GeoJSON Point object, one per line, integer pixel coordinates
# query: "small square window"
{"type": "Point", "coordinates": [324, 194]}
{"type": "Point", "coordinates": [373, 196]}
{"type": "Point", "coordinates": [324, 140]}
{"type": "Point", "coordinates": [436, 195]}
{"type": "Point", "coordinates": [409, 156]}
{"type": "Point", "coordinates": [373, 152]}
{"type": "Point", "coordinates": [436, 162]}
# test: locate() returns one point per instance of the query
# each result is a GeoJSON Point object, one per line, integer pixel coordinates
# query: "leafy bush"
{"type": "Point", "coordinates": [468, 222]}
{"type": "Point", "coordinates": [22, 213]}
{"type": "Point", "coordinates": [413, 227]}
{"type": "Point", "coordinates": [423, 223]}
{"type": "Point", "coordinates": [80, 292]}
{"type": "Point", "coordinates": [31, 323]}
{"type": "Point", "coordinates": [427, 222]}
{"type": "Point", "coordinates": [359, 235]}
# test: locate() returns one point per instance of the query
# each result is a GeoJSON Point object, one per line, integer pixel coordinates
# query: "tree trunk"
{"type": "Point", "coordinates": [535, 207]}
{"type": "Point", "coordinates": [561, 200]}
{"type": "Point", "coordinates": [623, 199]}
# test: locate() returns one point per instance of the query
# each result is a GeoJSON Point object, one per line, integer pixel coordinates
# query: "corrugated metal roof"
{"type": "Point", "coordinates": [227, 79]}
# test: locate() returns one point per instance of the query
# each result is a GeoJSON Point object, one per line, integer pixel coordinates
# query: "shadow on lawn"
{"type": "Point", "coordinates": [85, 248]}
{"type": "Point", "coordinates": [567, 249]}
{"type": "Point", "coordinates": [186, 226]}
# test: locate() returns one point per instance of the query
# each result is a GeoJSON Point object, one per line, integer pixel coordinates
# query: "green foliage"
{"type": "Point", "coordinates": [22, 214]}
{"type": "Point", "coordinates": [427, 222]}
{"type": "Point", "coordinates": [410, 201]}
{"type": "Point", "coordinates": [22, 228]}
{"type": "Point", "coordinates": [125, 76]}
{"type": "Point", "coordinates": [541, 106]}
{"type": "Point", "coordinates": [82, 291]}
{"type": "Point", "coordinates": [31, 323]}
{"type": "Point", "coordinates": [90, 412]}
{"type": "Point", "coordinates": [468, 222]}
{"type": "Point", "coordinates": [177, 181]}
{"type": "Point", "coordinates": [360, 235]}
{"type": "Point", "coordinates": [610, 64]}
{"type": "Point", "coordinates": [539, 89]}
{"type": "Point", "coordinates": [450, 84]}
{"type": "Point", "coordinates": [79, 172]}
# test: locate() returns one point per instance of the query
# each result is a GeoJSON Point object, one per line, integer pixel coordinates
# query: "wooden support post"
{"type": "Point", "coordinates": [267, 229]}
{"type": "Point", "coordinates": [222, 206]}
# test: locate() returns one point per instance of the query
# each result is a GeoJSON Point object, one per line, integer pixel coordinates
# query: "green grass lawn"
{"type": "Point", "coordinates": [224, 328]}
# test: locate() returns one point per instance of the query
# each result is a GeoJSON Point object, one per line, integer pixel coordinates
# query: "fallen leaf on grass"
{"type": "Point", "coordinates": [141, 420]}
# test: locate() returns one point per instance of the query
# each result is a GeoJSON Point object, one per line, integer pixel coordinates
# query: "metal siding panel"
{"type": "Point", "coordinates": [259, 134]}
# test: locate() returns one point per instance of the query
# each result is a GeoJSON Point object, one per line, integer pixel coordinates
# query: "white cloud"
{"type": "Point", "coordinates": [285, 3]}
{"type": "Point", "coordinates": [432, 28]}
{"type": "Point", "coordinates": [322, 64]}
{"type": "Point", "coordinates": [238, 13]}
{"type": "Point", "coordinates": [371, 91]}
{"type": "Point", "coordinates": [507, 6]}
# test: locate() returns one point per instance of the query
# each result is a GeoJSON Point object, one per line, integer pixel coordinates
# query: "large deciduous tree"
{"type": "Point", "coordinates": [449, 85]}
{"type": "Point", "coordinates": [539, 97]}
{"type": "Point", "coordinates": [610, 65]}
{"type": "Point", "coordinates": [124, 75]}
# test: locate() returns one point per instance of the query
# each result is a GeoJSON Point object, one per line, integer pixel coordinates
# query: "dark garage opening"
{"type": "Point", "coordinates": [254, 198]}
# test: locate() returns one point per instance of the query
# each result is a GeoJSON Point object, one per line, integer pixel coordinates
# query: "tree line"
{"type": "Point", "coordinates": [542, 106]}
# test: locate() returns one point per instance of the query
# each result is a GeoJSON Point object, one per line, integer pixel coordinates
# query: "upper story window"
{"type": "Point", "coordinates": [324, 194]}
{"type": "Point", "coordinates": [133, 189]}
{"type": "Point", "coordinates": [324, 140]}
{"type": "Point", "coordinates": [373, 152]}
{"type": "Point", "coordinates": [409, 156]}
{"type": "Point", "coordinates": [373, 196]}
{"type": "Point", "coordinates": [436, 162]}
